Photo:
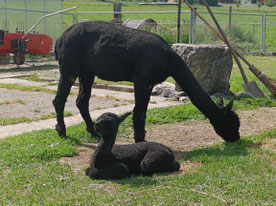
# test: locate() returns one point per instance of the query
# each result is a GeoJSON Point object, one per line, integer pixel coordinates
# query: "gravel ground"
{"type": "Point", "coordinates": [37, 104]}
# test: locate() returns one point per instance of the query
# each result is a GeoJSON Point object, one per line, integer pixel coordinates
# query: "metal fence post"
{"type": "Point", "coordinates": [44, 22]}
{"type": "Point", "coordinates": [230, 18]}
{"type": "Point", "coordinates": [178, 21]}
{"type": "Point", "coordinates": [263, 32]}
{"type": "Point", "coordinates": [76, 17]}
{"type": "Point", "coordinates": [26, 15]}
{"type": "Point", "coordinates": [6, 15]}
{"type": "Point", "coordinates": [264, 48]}
{"type": "Point", "coordinates": [61, 18]}
{"type": "Point", "coordinates": [191, 27]}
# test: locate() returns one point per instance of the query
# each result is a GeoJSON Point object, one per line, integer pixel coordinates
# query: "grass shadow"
{"type": "Point", "coordinates": [137, 181]}
{"type": "Point", "coordinates": [224, 150]}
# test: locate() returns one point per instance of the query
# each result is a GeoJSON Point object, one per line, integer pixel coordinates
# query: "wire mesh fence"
{"type": "Point", "coordinates": [245, 31]}
{"type": "Point", "coordinates": [249, 33]}
{"type": "Point", "coordinates": [20, 15]}
{"type": "Point", "coordinates": [270, 33]}
{"type": "Point", "coordinates": [163, 23]}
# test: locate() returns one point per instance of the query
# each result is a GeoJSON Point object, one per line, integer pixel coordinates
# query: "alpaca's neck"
{"type": "Point", "coordinates": [189, 84]}
{"type": "Point", "coordinates": [102, 153]}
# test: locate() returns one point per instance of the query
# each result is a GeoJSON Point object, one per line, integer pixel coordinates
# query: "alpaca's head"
{"type": "Point", "coordinates": [108, 123]}
{"type": "Point", "coordinates": [227, 126]}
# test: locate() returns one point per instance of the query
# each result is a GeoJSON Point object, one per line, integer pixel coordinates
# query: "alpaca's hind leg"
{"type": "Point", "coordinates": [142, 97]}
{"type": "Point", "coordinates": [152, 164]}
{"type": "Point", "coordinates": [82, 101]}
{"type": "Point", "coordinates": [64, 87]}
{"type": "Point", "coordinates": [158, 161]}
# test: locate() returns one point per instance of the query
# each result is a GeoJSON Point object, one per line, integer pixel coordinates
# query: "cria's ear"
{"type": "Point", "coordinates": [122, 117]}
{"type": "Point", "coordinates": [229, 105]}
{"type": "Point", "coordinates": [220, 102]}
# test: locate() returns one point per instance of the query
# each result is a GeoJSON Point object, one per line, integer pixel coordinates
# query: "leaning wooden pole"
{"type": "Point", "coordinates": [269, 83]}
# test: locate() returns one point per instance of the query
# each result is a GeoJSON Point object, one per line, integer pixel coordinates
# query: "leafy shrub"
{"type": "Point", "coordinates": [210, 2]}
{"type": "Point", "coordinates": [270, 3]}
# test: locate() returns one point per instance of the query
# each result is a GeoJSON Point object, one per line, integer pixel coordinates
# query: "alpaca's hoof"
{"type": "Point", "coordinates": [87, 171]}
{"type": "Point", "coordinates": [136, 141]}
{"type": "Point", "coordinates": [92, 131]}
{"type": "Point", "coordinates": [140, 136]}
{"type": "Point", "coordinates": [61, 131]}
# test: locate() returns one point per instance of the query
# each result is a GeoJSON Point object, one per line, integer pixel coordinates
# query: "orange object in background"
{"type": "Point", "coordinates": [32, 44]}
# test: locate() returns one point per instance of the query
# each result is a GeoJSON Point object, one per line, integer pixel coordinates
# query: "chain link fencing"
{"type": "Point", "coordinates": [20, 15]}
{"type": "Point", "coordinates": [270, 33]}
{"type": "Point", "coordinates": [249, 33]}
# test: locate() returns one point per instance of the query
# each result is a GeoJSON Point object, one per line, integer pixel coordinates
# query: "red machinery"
{"type": "Point", "coordinates": [32, 44]}
{"type": "Point", "coordinates": [21, 43]}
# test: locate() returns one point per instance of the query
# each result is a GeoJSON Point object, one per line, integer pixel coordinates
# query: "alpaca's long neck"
{"type": "Point", "coordinates": [102, 153]}
{"type": "Point", "coordinates": [189, 84]}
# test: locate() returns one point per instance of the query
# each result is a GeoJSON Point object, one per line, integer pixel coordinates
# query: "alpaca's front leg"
{"type": "Point", "coordinates": [64, 87]}
{"type": "Point", "coordinates": [85, 84]}
{"type": "Point", "coordinates": [142, 97]}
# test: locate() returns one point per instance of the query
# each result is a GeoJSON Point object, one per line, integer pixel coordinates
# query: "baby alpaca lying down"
{"type": "Point", "coordinates": [119, 161]}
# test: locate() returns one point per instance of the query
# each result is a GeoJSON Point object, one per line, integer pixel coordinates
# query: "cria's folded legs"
{"type": "Point", "coordinates": [112, 170]}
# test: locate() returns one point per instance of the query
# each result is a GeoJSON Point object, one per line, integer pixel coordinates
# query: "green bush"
{"type": "Point", "coordinates": [191, 2]}
{"type": "Point", "coordinates": [210, 2]}
{"type": "Point", "coordinates": [270, 3]}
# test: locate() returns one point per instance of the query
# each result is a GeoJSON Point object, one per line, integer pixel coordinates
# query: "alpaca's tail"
{"type": "Point", "coordinates": [55, 51]}
{"type": "Point", "coordinates": [123, 116]}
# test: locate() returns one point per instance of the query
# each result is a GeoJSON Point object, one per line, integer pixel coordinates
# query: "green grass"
{"type": "Point", "coordinates": [26, 88]}
{"type": "Point", "coordinates": [264, 63]}
{"type": "Point", "coordinates": [188, 111]}
{"type": "Point", "coordinates": [32, 77]}
{"type": "Point", "coordinates": [18, 101]}
{"type": "Point", "coordinates": [224, 173]}
{"type": "Point", "coordinates": [29, 88]}
{"type": "Point", "coordinates": [104, 82]}
{"type": "Point", "coordinates": [16, 120]}
{"type": "Point", "coordinates": [240, 173]}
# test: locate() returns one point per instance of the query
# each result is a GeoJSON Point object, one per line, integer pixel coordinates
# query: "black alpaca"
{"type": "Point", "coordinates": [117, 53]}
{"type": "Point", "coordinates": [119, 161]}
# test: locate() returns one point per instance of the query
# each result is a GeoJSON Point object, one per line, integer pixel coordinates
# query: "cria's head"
{"type": "Point", "coordinates": [108, 123]}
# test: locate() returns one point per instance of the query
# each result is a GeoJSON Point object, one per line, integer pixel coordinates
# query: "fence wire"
{"type": "Point", "coordinates": [244, 31]}
{"type": "Point", "coordinates": [270, 34]}
{"type": "Point", "coordinates": [249, 33]}
{"type": "Point", "coordinates": [20, 15]}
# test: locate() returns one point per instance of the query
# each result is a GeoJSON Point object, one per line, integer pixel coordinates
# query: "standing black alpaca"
{"type": "Point", "coordinates": [111, 161]}
{"type": "Point", "coordinates": [117, 53]}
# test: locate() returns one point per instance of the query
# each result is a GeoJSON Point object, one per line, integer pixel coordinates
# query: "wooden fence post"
{"type": "Point", "coordinates": [117, 7]}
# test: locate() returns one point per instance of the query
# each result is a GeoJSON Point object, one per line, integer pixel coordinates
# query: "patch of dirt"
{"type": "Point", "coordinates": [183, 137]}
{"type": "Point", "coordinates": [270, 145]}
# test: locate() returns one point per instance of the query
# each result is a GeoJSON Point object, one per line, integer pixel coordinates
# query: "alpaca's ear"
{"type": "Point", "coordinates": [122, 117]}
{"type": "Point", "coordinates": [229, 105]}
{"type": "Point", "coordinates": [220, 102]}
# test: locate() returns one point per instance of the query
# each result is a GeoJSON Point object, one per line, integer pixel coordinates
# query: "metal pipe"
{"type": "Point", "coordinates": [45, 16]}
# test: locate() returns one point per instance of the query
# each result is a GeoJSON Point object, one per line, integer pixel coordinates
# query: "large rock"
{"type": "Point", "coordinates": [211, 65]}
